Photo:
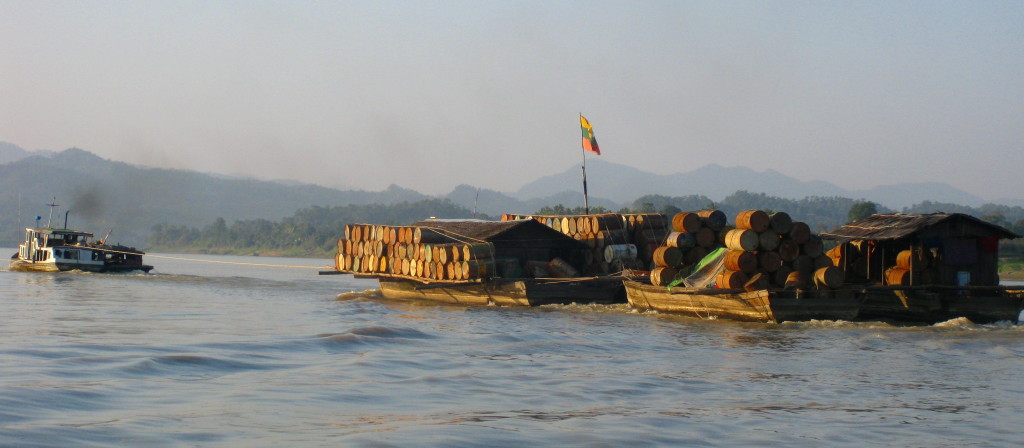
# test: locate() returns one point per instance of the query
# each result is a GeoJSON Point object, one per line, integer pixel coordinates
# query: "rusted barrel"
{"type": "Point", "coordinates": [757, 281]}
{"type": "Point", "coordinates": [804, 264]}
{"type": "Point", "coordinates": [681, 240]}
{"type": "Point", "coordinates": [643, 236]}
{"type": "Point", "coordinates": [561, 269]}
{"type": "Point", "coordinates": [768, 240]}
{"type": "Point", "coordinates": [744, 261]}
{"type": "Point", "coordinates": [620, 251]}
{"type": "Point", "coordinates": [897, 276]}
{"type": "Point", "coordinates": [913, 260]}
{"type": "Point", "coordinates": [423, 235]}
{"type": "Point", "coordinates": [652, 221]}
{"type": "Point", "coordinates": [686, 222]}
{"type": "Point", "coordinates": [477, 251]}
{"type": "Point", "coordinates": [756, 220]}
{"type": "Point", "coordinates": [474, 269]}
{"type": "Point", "coordinates": [731, 280]}
{"type": "Point", "coordinates": [799, 232]}
{"type": "Point", "coordinates": [780, 222]}
{"type": "Point", "coordinates": [780, 275]}
{"type": "Point", "coordinates": [788, 250]}
{"type": "Point", "coordinates": [695, 255]}
{"type": "Point", "coordinates": [829, 276]}
{"type": "Point", "coordinates": [823, 261]}
{"type": "Point", "coordinates": [742, 239]}
{"type": "Point", "coordinates": [668, 256]}
{"type": "Point", "coordinates": [705, 237]}
{"type": "Point", "coordinates": [662, 276]}
{"type": "Point", "coordinates": [795, 279]}
{"type": "Point", "coordinates": [607, 222]}
{"type": "Point", "coordinates": [720, 236]}
{"type": "Point", "coordinates": [770, 261]}
{"type": "Point", "coordinates": [713, 219]}
{"type": "Point", "coordinates": [813, 246]}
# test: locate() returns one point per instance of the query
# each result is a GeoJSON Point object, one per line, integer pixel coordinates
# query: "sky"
{"type": "Point", "coordinates": [429, 95]}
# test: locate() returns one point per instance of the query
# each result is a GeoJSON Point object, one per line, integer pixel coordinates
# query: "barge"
{"type": "Point", "coordinates": [474, 262]}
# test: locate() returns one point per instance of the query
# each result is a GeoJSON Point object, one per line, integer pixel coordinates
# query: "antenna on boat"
{"type": "Point", "coordinates": [52, 205]}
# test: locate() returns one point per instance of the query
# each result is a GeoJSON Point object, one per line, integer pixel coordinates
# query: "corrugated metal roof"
{"type": "Point", "coordinates": [489, 230]}
{"type": "Point", "coordinates": [896, 226]}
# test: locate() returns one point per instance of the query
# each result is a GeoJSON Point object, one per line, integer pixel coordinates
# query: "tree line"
{"type": "Point", "coordinates": [314, 231]}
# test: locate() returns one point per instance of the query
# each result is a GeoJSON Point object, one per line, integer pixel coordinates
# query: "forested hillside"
{"type": "Point", "coordinates": [310, 231]}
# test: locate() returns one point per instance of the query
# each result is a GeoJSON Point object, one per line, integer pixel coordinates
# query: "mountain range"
{"type": "Point", "coordinates": [621, 183]}
{"type": "Point", "coordinates": [102, 194]}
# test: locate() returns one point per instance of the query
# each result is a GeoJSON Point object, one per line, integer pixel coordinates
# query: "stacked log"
{"type": "Point", "coordinates": [787, 254]}
{"type": "Point", "coordinates": [412, 252]}
{"type": "Point", "coordinates": [690, 237]}
{"type": "Point", "coordinates": [909, 267]}
{"type": "Point", "coordinates": [763, 251]}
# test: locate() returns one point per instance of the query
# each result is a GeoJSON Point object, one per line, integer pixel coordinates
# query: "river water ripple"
{"type": "Point", "coordinates": [218, 355]}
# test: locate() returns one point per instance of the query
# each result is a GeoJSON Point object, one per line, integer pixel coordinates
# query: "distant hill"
{"type": "Point", "coordinates": [495, 203]}
{"type": "Point", "coordinates": [104, 195]}
{"type": "Point", "coordinates": [621, 183]}
{"type": "Point", "coordinates": [10, 152]}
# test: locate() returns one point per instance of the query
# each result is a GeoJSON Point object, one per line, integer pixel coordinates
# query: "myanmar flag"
{"type": "Point", "coordinates": [589, 142]}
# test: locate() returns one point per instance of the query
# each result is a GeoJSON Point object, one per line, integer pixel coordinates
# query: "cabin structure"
{"type": "Point", "coordinates": [946, 249]}
{"type": "Point", "coordinates": [526, 241]}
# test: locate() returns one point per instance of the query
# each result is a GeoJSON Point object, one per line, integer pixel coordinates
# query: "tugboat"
{"type": "Point", "coordinates": [48, 249]}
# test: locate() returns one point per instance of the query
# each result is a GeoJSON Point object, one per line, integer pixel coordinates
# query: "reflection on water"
{"type": "Point", "coordinates": [226, 355]}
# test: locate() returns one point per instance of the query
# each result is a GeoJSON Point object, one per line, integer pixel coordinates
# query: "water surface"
{"type": "Point", "coordinates": [222, 355]}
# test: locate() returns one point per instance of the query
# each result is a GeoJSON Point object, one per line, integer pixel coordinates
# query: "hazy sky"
{"type": "Point", "coordinates": [432, 94]}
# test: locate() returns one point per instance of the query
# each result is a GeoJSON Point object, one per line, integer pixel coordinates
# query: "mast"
{"type": "Point", "coordinates": [52, 205]}
{"type": "Point", "coordinates": [586, 198]}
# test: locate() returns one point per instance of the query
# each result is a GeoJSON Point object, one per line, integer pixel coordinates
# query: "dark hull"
{"type": "Point", "coordinates": [25, 266]}
{"type": "Point", "coordinates": [754, 306]}
{"type": "Point", "coordinates": [506, 292]}
{"type": "Point", "coordinates": [939, 304]}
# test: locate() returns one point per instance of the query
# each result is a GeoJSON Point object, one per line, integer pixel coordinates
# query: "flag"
{"type": "Point", "coordinates": [589, 142]}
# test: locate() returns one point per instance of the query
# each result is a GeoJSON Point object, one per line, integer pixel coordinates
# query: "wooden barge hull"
{"type": "Point", "coordinates": [505, 292]}
{"type": "Point", "coordinates": [753, 306]}
{"type": "Point", "coordinates": [939, 304]}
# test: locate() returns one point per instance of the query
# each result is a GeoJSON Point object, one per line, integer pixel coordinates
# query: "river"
{"type": "Point", "coordinates": [224, 355]}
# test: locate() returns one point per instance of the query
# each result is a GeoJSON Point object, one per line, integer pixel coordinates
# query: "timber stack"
{"type": "Point", "coordinates": [618, 242]}
{"type": "Point", "coordinates": [761, 251]}
{"type": "Point", "coordinates": [413, 252]}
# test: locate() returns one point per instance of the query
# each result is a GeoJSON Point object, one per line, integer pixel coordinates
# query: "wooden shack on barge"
{"type": "Point", "coordinates": [475, 262]}
{"type": "Point", "coordinates": [926, 267]}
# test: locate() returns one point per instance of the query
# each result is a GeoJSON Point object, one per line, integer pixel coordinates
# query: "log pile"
{"type": "Point", "coordinates": [910, 267]}
{"type": "Point", "coordinates": [617, 241]}
{"type": "Point", "coordinates": [763, 251]}
{"type": "Point", "coordinates": [414, 252]}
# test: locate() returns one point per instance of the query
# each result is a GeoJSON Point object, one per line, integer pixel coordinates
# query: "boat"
{"type": "Point", "coordinates": [56, 250]}
{"type": "Point", "coordinates": [475, 262]}
{"type": "Point", "coordinates": [759, 305]}
{"type": "Point", "coordinates": [48, 249]}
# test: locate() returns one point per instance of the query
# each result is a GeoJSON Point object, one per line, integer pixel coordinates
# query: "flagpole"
{"type": "Point", "coordinates": [586, 199]}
